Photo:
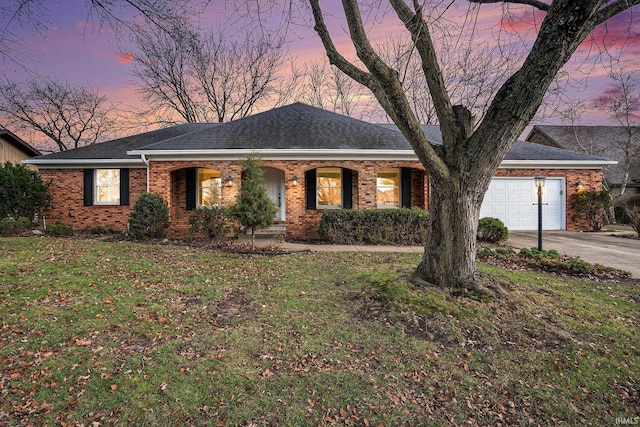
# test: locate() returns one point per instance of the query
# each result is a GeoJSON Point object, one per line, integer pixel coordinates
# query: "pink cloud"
{"type": "Point", "coordinates": [125, 58]}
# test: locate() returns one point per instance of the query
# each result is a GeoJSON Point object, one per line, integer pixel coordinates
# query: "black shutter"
{"type": "Point", "coordinates": [405, 187]}
{"type": "Point", "coordinates": [191, 188]}
{"type": "Point", "coordinates": [88, 187]}
{"type": "Point", "coordinates": [310, 188]}
{"type": "Point", "coordinates": [347, 189]}
{"type": "Point", "coordinates": [124, 187]}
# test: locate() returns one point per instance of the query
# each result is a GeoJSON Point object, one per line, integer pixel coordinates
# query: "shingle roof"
{"type": "Point", "coordinates": [117, 148]}
{"type": "Point", "coordinates": [595, 140]}
{"type": "Point", "coordinates": [521, 150]}
{"type": "Point", "coordinates": [292, 127]}
{"type": "Point", "coordinates": [295, 126]}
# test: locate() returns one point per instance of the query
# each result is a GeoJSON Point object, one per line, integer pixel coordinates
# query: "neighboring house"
{"type": "Point", "coordinates": [313, 160]}
{"type": "Point", "coordinates": [13, 149]}
{"type": "Point", "coordinates": [602, 141]}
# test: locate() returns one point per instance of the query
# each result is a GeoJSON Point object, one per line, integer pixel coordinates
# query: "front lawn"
{"type": "Point", "coordinates": [134, 334]}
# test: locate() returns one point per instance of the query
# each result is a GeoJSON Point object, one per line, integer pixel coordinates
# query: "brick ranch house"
{"type": "Point", "coordinates": [313, 160]}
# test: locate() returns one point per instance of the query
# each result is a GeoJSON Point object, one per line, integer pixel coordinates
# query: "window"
{"type": "Point", "coordinates": [329, 187]}
{"type": "Point", "coordinates": [209, 187]}
{"type": "Point", "coordinates": [107, 190]}
{"type": "Point", "coordinates": [388, 188]}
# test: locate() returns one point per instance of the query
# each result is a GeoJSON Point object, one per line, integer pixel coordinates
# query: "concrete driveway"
{"type": "Point", "coordinates": [603, 248]}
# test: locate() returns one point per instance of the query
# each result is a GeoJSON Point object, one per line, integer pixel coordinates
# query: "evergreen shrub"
{"type": "Point", "coordinates": [149, 217]}
{"type": "Point", "coordinates": [492, 230]}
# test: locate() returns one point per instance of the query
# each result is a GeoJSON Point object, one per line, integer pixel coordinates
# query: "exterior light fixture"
{"type": "Point", "coordinates": [579, 186]}
{"type": "Point", "coordinates": [228, 181]}
{"type": "Point", "coordinates": [539, 180]}
{"type": "Point", "coordinates": [294, 181]}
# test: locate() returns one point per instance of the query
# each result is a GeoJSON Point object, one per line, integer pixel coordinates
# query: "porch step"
{"type": "Point", "coordinates": [276, 232]}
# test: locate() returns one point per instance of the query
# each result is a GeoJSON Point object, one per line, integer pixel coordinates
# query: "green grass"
{"type": "Point", "coordinates": [135, 334]}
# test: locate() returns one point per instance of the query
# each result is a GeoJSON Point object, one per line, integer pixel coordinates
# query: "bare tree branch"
{"type": "Point", "coordinates": [535, 3]}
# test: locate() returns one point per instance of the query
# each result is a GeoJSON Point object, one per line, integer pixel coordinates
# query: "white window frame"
{"type": "Point", "coordinates": [97, 186]}
{"type": "Point", "coordinates": [399, 174]}
{"type": "Point", "coordinates": [199, 188]}
{"type": "Point", "coordinates": [318, 187]}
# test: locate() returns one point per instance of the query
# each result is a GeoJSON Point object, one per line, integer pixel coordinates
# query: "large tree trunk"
{"type": "Point", "coordinates": [449, 255]}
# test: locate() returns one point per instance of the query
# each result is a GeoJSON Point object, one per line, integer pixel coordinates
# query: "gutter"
{"type": "Point", "coordinates": [146, 162]}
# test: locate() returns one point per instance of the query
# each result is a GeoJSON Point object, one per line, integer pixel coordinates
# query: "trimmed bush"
{"type": "Point", "coordinates": [211, 221]}
{"type": "Point", "coordinates": [374, 227]}
{"type": "Point", "coordinates": [59, 229]}
{"type": "Point", "coordinates": [492, 230]}
{"type": "Point", "coordinates": [149, 217]}
{"type": "Point", "coordinates": [10, 226]}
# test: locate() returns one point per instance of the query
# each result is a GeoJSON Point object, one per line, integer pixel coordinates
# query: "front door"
{"type": "Point", "coordinates": [274, 181]}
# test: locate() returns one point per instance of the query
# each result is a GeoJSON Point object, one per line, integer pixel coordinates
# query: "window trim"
{"type": "Point", "coordinates": [95, 186]}
{"type": "Point", "coordinates": [399, 176]}
{"type": "Point", "coordinates": [341, 187]}
{"type": "Point", "coordinates": [199, 188]}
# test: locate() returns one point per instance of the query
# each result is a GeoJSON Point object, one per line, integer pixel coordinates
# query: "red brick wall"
{"type": "Point", "coordinates": [169, 180]}
{"type": "Point", "coordinates": [66, 188]}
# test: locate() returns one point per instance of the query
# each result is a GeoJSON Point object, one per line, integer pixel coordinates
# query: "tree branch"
{"type": "Point", "coordinates": [389, 91]}
{"type": "Point", "coordinates": [535, 3]}
{"type": "Point", "coordinates": [615, 8]}
{"type": "Point", "coordinates": [419, 30]}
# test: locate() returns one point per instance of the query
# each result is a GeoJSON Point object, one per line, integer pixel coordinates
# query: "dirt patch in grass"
{"type": "Point", "coordinates": [233, 307]}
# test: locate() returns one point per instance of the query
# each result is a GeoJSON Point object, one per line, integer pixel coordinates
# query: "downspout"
{"type": "Point", "coordinates": [146, 162]}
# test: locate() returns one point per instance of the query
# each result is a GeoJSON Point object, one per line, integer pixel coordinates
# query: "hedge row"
{"type": "Point", "coordinates": [375, 226]}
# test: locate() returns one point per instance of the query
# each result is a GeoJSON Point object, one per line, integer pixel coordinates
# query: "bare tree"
{"type": "Point", "coordinates": [471, 70]}
{"type": "Point", "coordinates": [116, 13]}
{"type": "Point", "coordinates": [70, 115]}
{"type": "Point", "coordinates": [327, 87]}
{"type": "Point", "coordinates": [625, 109]}
{"type": "Point", "coordinates": [461, 169]}
{"type": "Point", "coordinates": [207, 76]}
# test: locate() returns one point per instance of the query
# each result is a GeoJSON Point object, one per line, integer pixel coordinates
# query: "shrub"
{"type": "Point", "coordinates": [576, 266]}
{"type": "Point", "coordinates": [98, 229]}
{"type": "Point", "coordinates": [149, 217]}
{"type": "Point", "coordinates": [591, 205]}
{"type": "Point", "coordinates": [10, 226]}
{"type": "Point", "coordinates": [492, 230]}
{"type": "Point", "coordinates": [376, 226]}
{"type": "Point", "coordinates": [254, 209]}
{"type": "Point", "coordinates": [22, 192]}
{"type": "Point", "coordinates": [620, 212]}
{"type": "Point", "coordinates": [485, 252]}
{"type": "Point", "coordinates": [632, 210]}
{"type": "Point", "coordinates": [59, 229]}
{"type": "Point", "coordinates": [535, 253]}
{"type": "Point", "coordinates": [211, 221]}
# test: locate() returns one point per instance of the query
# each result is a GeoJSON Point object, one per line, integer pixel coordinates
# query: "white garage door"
{"type": "Point", "coordinates": [515, 202]}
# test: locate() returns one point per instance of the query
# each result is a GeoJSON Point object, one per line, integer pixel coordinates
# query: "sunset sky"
{"type": "Point", "coordinates": [75, 48]}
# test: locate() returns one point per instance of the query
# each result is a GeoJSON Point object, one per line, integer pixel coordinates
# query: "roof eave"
{"type": "Point", "coordinates": [556, 164]}
{"type": "Point", "coordinates": [80, 163]}
{"type": "Point", "coordinates": [276, 154]}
